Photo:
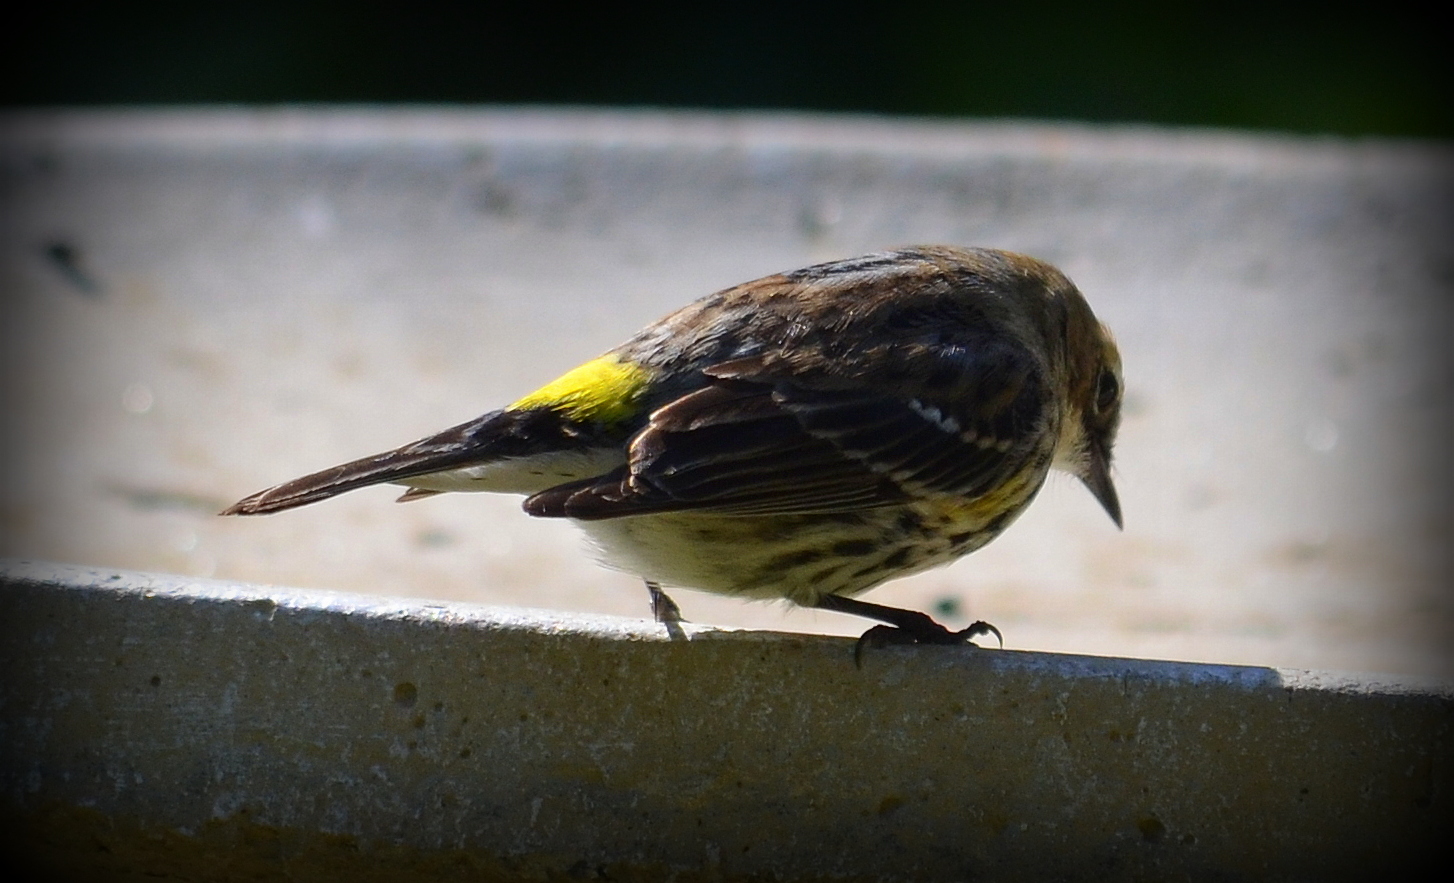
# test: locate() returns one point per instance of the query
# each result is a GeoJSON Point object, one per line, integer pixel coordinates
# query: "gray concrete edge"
{"type": "Point", "coordinates": [528, 742]}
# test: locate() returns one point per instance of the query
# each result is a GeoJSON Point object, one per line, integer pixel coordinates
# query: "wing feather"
{"type": "Point", "coordinates": [763, 439]}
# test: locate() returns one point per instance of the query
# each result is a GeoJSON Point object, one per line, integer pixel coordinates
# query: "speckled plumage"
{"type": "Point", "coordinates": [804, 436]}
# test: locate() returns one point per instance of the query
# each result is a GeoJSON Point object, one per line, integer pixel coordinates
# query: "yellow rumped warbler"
{"type": "Point", "coordinates": [805, 436]}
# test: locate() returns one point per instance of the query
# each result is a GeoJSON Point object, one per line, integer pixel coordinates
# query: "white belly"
{"type": "Point", "coordinates": [523, 475]}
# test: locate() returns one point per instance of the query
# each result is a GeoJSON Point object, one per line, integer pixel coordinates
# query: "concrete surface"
{"type": "Point", "coordinates": [200, 304]}
{"type": "Point", "coordinates": [193, 729]}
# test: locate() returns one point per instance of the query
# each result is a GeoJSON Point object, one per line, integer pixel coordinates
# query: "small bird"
{"type": "Point", "coordinates": [805, 436]}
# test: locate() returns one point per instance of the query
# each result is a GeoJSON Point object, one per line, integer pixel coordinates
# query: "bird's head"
{"type": "Point", "coordinates": [1093, 414]}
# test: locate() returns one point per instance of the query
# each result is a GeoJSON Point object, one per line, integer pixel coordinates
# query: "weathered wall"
{"type": "Point", "coordinates": [202, 729]}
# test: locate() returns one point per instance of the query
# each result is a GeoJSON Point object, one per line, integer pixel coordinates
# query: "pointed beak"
{"type": "Point", "coordinates": [1098, 480]}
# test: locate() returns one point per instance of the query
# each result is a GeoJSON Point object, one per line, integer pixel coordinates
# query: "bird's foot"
{"type": "Point", "coordinates": [904, 626]}
{"type": "Point", "coordinates": [926, 631]}
{"type": "Point", "coordinates": [663, 609]}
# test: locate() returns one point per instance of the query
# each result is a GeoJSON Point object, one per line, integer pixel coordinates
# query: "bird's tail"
{"type": "Point", "coordinates": [458, 446]}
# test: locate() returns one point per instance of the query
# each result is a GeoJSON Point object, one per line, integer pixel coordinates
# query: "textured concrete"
{"type": "Point", "coordinates": [154, 725]}
{"type": "Point", "coordinates": [198, 304]}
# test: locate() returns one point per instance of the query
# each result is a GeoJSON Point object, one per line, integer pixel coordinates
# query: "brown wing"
{"type": "Point", "coordinates": [753, 442]}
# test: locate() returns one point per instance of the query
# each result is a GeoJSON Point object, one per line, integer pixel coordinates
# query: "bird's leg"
{"type": "Point", "coordinates": [904, 626]}
{"type": "Point", "coordinates": [663, 609]}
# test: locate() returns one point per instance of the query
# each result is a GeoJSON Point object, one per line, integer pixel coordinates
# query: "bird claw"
{"type": "Point", "coordinates": [927, 632]}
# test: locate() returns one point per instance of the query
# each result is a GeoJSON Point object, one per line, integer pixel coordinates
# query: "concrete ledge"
{"type": "Point", "coordinates": [203, 729]}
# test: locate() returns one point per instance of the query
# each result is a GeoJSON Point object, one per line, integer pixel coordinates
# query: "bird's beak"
{"type": "Point", "coordinates": [1098, 479]}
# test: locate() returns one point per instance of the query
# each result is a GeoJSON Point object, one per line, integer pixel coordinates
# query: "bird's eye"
{"type": "Point", "coordinates": [1108, 390]}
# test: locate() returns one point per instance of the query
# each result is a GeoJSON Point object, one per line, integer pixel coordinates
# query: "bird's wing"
{"type": "Point", "coordinates": [762, 439]}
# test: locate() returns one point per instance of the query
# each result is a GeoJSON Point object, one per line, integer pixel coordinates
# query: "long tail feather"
{"type": "Point", "coordinates": [473, 442]}
{"type": "Point", "coordinates": [378, 469]}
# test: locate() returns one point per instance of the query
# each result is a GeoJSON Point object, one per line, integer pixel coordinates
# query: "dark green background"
{"type": "Point", "coordinates": [1372, 69]}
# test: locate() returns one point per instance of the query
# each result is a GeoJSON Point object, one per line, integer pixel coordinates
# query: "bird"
{"type": "Point", "coordinates": [804, 436]}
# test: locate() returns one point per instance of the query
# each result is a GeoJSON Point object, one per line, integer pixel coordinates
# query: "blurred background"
{"type": "Point", "coordinates": [1342, 69]}
{"type": "Point", "coordinates": [214, 295]}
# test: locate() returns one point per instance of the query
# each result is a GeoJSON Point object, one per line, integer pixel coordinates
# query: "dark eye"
{"type": "Point", "coordinates": [1108, 390]}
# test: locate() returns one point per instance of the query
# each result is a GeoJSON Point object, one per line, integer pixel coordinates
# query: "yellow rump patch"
{"type": "Point", "coordinates": [604, 390]}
